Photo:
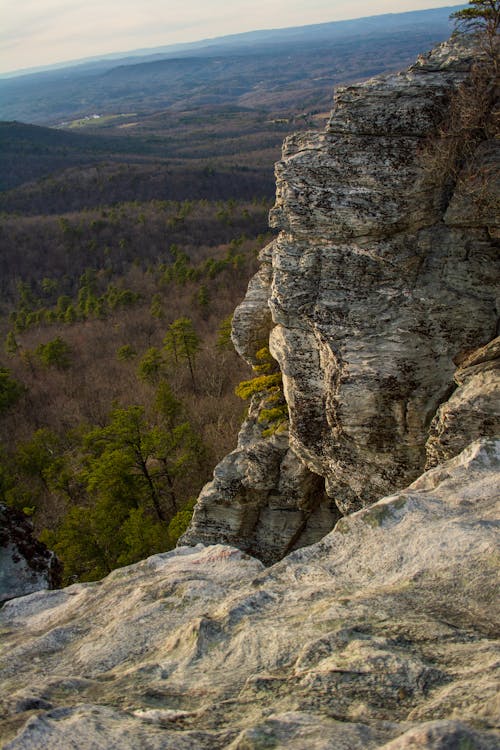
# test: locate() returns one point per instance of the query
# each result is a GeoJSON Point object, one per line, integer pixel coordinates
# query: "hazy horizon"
{"type": "Point", "coordinates": [41, 33]}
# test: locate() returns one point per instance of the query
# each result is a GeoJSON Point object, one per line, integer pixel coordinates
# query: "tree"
{"type": "Point", "coordinates": [141, 536]}
{"type": "Point", "coordinates": [49, 286]}
{"type": "Point", "coordinates": [268, 387]}
{"type": "Point", "coordinates": [202, 298]}
{"type": "Point", "coordinates": [180, 522]}
{"type": "Point", "coordinates": [94, 540]}
{"type": "Point", "coordinates": [169, 408]}
{"type": "Point", "coordinates": [131, 461]}
{"type": "Point", "coordinates": [70, 315]}
{"type": "Point", "coordinates": [182, 343]}
{"type": "Point", "coordinates": [11, 346]}
{"type": "Point", "coordinates": [482, 16]}
{"type": "Point", "coordinates": [40, 469]}
{"type": "Point", "coordinates": [156, 308]}
{"type": "Point", "coordinates": [10, 390]}
{"type": "Point", "coordinates": [55, 353]}
{"type": "Point", "coordinates": [121, 465]}
{"type": "Point", "coordinates": [125, 353]}
{"type": "Point", "coordinates": [6, 478]}
{"type": "Point", "coordinates": [150, 366]}
{"type": "Point", "coordinates": [224, 334]}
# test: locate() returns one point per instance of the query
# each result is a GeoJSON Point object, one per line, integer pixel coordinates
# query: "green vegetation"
{"type": "Point", "coordinates": [118, 399]}
{"type": "Point", "coordinates": [151, 366]}
{"type": "Point", "coordinates": [268, 388]}
{"type": "Point", "coordinates": [56, 353]}
{"type": "Point", "coordinates": [182, 343]}
{"type": "Point", "coordinates": [84, 260]}
{"type": "Point", "coordinates": [224, 334]}
{"type": "Point", "coordinates": [116, 488]}
{"type": "Point", "coordinates": [480, 16]}
{"type": "Point", "coordinates": [10, 390]}
{"type": "Point", "coordinates": [180, 522]}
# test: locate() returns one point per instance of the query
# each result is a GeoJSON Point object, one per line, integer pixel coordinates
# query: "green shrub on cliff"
{"type": "Point", "coordinates": [268, 384]}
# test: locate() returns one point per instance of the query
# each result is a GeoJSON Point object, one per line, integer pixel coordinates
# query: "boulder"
{"type": "Point", "coordinates": [26, 565]}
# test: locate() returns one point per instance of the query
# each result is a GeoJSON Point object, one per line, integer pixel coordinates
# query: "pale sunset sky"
{"type": "Point", "coordinates": [43, 32]}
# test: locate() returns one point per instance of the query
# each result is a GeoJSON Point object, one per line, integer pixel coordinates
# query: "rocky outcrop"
{"type": "Point", "coordinates": [26, 565]}
{"type": "Point", "coordinates": [262, 498]}
{"type": "Point", "coordinates": [473, 410]}
{"type": "Point", "coordinates": [379, 636]}
{"type": "Point", "coordinates": [378, 283]}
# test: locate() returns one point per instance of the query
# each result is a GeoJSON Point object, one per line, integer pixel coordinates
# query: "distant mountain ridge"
{"type": "Point", "coordinates": [276, 70]}
{"type": "Point", "coordinates": [217, 45]}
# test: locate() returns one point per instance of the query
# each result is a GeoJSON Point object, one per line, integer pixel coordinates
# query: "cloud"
{"type": "Point", "coordinates": [51, 30]}
{"type": "Point", "coordinates": [40, 32]}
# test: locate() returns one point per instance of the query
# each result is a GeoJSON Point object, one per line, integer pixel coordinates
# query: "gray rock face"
{"type": "Point", "coordinates": [473, 410]}
{"type": "Point", "coordinates": [26, 565]}
{"type": "Point", "coordinates": [262, 498]}
{"type": "Point", "coordinates": [378, 283]}
{"type": "Point", "coordinates": [379, 636]}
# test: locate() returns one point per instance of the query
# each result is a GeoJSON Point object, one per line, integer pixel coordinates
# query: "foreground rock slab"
{"type": "Point", "coordinates": [380, 636]}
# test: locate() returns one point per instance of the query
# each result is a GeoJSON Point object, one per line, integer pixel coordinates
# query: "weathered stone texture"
{"type": "Point", "coordinates": [262, 498]}
{"type": "Point", "coordinates": [473, 410]}
{"type": "Point", "coordinates": [378, 282]}
{"type": "Point", "coordinates": [381, 633]}
{"type": "Point", "coordinates": [252, 321]}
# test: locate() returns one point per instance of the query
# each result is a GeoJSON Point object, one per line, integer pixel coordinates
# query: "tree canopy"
{"type": "Point", "coordinates": [10, 390]}
{"type": "Point", "coordinates": [182, 342]}
{"type": "Point", "coordinates": [478, 16]}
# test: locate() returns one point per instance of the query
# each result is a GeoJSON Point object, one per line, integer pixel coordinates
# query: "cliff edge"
{"type": "Point", "coordinates": [382, 280]}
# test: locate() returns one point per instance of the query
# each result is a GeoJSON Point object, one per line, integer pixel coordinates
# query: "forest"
{"type": "Point", "coordinates": [117, 374]}
{"type": "Point", "coordinates": [126, 241]}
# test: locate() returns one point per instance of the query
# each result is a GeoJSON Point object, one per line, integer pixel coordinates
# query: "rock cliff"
{"type": "Point", "coordinates": [382, 280]}
{"type": "Point", "coordinates": [377, 299]}
{"type": "Point", "coordinates": [26, 565]}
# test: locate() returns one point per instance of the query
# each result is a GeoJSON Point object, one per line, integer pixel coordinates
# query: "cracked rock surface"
{"type": "Point", "coordinates": [379, 636]}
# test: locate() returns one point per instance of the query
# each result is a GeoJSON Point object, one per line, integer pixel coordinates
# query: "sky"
{"type": "Point", "coordinates": [42, 32]}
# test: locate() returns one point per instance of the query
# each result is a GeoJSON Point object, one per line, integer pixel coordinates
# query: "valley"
{"type": "Point", "coordinates": [133, 206]}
